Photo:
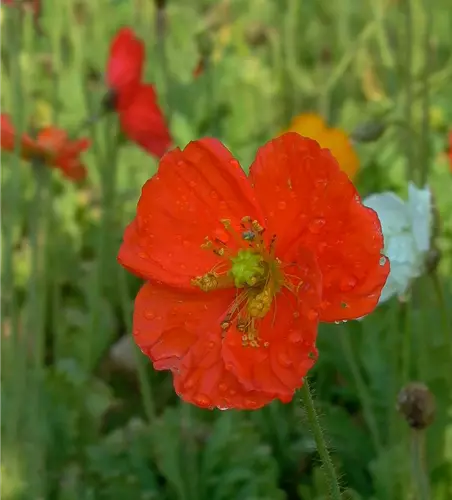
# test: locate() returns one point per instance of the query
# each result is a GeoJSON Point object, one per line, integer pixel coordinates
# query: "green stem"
{"type": "Point", "coordinates": [363, 393]}
{"type": "Point", "coordinates": [425, 98]}
{"type": "Point", "coordinates": [406, 59]}
{"type": "Point", "coordinates": [420, 479]}
{"type": "Point", "coordinates": [322, 448]}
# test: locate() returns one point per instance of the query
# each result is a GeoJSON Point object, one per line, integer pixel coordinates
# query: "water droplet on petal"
{"type": "Point", "coordinates": [143, 255]}
{"type": "Point", "coordinates": [316, 225]}
{"type": "Point", "coordinates": [186, 243]}
{"type": "Point", "coordinates": [223, 387]}
{"type": "Point", "coordinates": [383, 260]}
{"type": "Point", "coordinates": [149, 315]}
{"type": "Point", "coordinates": [250, 403]}
{"type": "Point", "coordinates": [189, 383]}
{"type": "Point", "coordinates": [214, 195]}
{"type": "Point", "coordinates": [223, 205]}
{"type": "Point", "coordinates": [192, 184]}
{"type": "Point", "coordinates": [312, 315]}
{"type": "Point", "coordinates": [295, 337]}
{"type": "Point", "coordinates": [283, 359]}
{"type": "Point", "coordinates": [347, 284]}
{"type": "Point", "coordinates": [232, 392]}
{"type": "Point", "coordinates": [202, 401]}
{"type": "Point", "coordinates": [234, 163]}
{"type": "Point", "coordinates": [180, 163]}
{"type": "Point", "coordinates": [282, 205]}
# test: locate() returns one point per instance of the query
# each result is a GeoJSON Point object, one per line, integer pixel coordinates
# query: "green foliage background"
{"type": "Point", "coordinates": [77, 423]}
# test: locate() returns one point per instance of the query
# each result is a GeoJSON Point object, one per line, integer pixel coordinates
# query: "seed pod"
{"type": "Point", "coordinates": [368, 132]}
{"type": "Point", "coordinates": [417, 404]}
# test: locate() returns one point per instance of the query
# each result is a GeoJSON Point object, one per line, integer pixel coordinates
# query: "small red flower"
{"type": "Point", "coordinates": [140, 116]}
{"type": "Point", "coordinates": [241, 270]}
{"type": "Point", "coordinates": [125, 62]}
{"type": "Point", "coordinates": [142, 120]}
{"type": "Point", "coordinates": [51, 146]}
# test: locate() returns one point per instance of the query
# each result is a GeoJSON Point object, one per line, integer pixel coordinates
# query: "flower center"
{"type": "Point", "coordinates": [253, 269]}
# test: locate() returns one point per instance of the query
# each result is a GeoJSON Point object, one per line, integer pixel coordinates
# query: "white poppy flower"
{"type": "Point", "coordinates": [406, 229]}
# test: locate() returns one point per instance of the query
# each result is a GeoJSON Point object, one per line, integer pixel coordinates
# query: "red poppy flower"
{"type": "Point", "coordinates": [141, 118]}
{"type": "Point", "coordinates": [240, 270]}
{"type": "Point", "coordinates": [51, 146]}
{"type": "Point", "coordinates": [125, 63]}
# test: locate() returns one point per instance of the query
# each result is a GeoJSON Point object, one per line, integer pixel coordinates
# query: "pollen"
{"type": "Point", "coordinates": [248, 264]}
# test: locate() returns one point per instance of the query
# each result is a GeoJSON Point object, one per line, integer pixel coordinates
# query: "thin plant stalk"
{"type": "Point", "coordinates": [419, 474]}
{"type": "Point", "coordinates": [363, 393]}
{"type": "Point", "coordinates": [329, 469]}
{"type": "Point", "coordinates": [425, 98]}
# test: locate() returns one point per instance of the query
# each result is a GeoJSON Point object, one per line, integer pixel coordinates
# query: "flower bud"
{"type": "Point", "coordinates": [417, 404]}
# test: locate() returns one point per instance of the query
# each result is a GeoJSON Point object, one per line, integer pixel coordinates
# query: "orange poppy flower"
{"type": "Point", "coordinates": [51, 146]}
{"type": "Point", "coordinates": [336, 140]}
{"type": "Point", "coordinates": [240, 270]}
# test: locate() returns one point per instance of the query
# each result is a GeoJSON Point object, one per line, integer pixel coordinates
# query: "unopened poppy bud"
{"type": "Point", "coordinates": [417, 404]}
{"type": "Point", "coordinates": [368, 132]}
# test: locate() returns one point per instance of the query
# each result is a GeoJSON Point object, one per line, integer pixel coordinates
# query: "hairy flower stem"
{"type": "Point", "coordinates": [420, 479]}
{"type": "Point", "coordinates": [322, 448]}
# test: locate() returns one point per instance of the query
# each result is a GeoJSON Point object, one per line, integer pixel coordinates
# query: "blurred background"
{"type": "Point", "coordinates": [84, 415]}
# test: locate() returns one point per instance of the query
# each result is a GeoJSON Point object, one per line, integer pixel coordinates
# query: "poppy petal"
{"type": "Point", "coordinates": [287, 335]}
{"type": "Point", "coordinates": [142, 120]}
{"type": "Point", "coordinates": [179, 207]}
{"type": "Point", "coordinates": [167, 322]}
{"type": "Point", "coordinates": [307, 198]}
{"type": "Point", "coordinates": [126, 59]}
{"type": "Point", "coordinates": [203, 380]}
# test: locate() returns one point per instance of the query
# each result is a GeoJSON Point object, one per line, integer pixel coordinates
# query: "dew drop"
{"type": "Point", "coordinates": [143, 255]}
{"type": "Point", "coordinates": [232, 392]}
{"type": "Point", "coordinates": [192, 184]}
{"type": "Point", "coordinates": [223, 205]}
{"type": "Point", "coordinates": [149, 315]}
{"type": "Point", "coordinates": [250, 403]}
{"type": "Point", "coordinates": [190, 382]}
{"type": "Point", "coordinates": [223, 387]}
{"type": "Point", "coordinates": [295, 337]}
{"type": "Point", "coordinates": [228, 367]}
{"type": "Point", "coordinates": [312, 315]}
{"type": "Point", "coordinates": [234, 163]}
{"type": "Point", "coordinates": [211, 345]}
{"type": "Point", "coordinates": [282, 205]}
{"type": "Point", "coordinates": [347, 284]}
{"type": "Point", "coordinates": [214, 195]}
{"type": "Point", "coordinates": [186, 243]}
{"type": "Point", "coordinates": [202, 400]}
{"type": "Point", "coordinates": [180, 163]}
{"type": "Point", "coordinates": [383, 260]}
{"type": "Point", "coordinates": [283, 359]}
{"type": "Point", "coordinates": [316, 225]}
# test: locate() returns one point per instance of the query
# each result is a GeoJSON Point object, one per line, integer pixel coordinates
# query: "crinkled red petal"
{"type": "Point", "coordinates": [142, 120]}
{"type": "Point", "coordinates": [167, 322]}
{"type": "Point", "coordinates": [287, 335]}
{"type": "Point", "coordinates": [126, 59]}
{"type": "Point", "coordinates": [308, 200]}
{"type": "Point", "coordinates": [182, 205]}
{"type": "Point", "coordinates": [203, 380]}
